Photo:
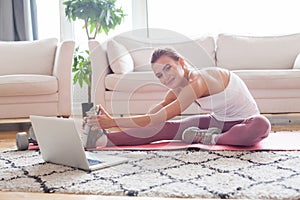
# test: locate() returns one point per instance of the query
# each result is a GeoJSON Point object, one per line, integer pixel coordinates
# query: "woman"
{"type": "Point", "coordinates": [234, 118]}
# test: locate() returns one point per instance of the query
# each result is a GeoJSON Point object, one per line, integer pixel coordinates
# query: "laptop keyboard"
{"type": "Point", "coordinates": [93, 162]}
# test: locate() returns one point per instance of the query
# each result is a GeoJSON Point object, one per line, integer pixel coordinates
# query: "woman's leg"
{"type": "Point", "coordinates": [170, 130]}
{"type": "Point", "coordinates": [245, 133]}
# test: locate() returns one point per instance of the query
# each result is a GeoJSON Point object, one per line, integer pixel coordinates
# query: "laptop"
{"type": "Point", "coordinates": [60, 143]}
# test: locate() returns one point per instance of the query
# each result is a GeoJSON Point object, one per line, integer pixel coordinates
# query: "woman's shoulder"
{"type": "Point", "coordinates": [215, 78]}
{"type": "Point", "coordinates": [214, 69]}
{"type": "Point", "coordinates": [212, 72]}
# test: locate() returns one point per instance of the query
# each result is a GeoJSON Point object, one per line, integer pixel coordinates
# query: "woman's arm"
{"type": "Point", "coordinates": [170, 97]}
{"type": "Point", "coordinates": [145, 120]}
{"type": "Point", "coordinates": [185, 98]}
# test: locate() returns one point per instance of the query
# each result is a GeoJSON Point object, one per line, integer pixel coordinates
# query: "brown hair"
{"type": "Point", "coordinates": [159, 52]}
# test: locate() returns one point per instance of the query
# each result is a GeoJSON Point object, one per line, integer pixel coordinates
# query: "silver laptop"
{"type": "Point", "coordinates": [59, 142]}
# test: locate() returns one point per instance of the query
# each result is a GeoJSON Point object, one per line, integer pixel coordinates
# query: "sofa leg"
{"type": "Point", "coordinates": [63, 116]}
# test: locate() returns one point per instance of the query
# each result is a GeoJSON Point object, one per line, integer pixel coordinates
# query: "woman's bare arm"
{"type": "Point", "coordinates": [185, 98]}
{"type": "Point", "coordinates": [170, 97]}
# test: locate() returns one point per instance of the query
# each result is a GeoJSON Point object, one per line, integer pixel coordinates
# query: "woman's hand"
{"type": "Point", "coordinates": [103, 120]}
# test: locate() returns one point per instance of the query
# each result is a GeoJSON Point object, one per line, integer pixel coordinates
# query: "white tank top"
{"type": "Point", "coordinates": [234, 103]}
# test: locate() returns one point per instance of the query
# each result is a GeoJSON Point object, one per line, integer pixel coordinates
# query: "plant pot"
{"type": "Point", "coordinates": [86, 107]}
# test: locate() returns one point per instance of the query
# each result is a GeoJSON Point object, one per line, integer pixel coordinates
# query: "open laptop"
{"type": "Point", "coordinates": [60, 143]}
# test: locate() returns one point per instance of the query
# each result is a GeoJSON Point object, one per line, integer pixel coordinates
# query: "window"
{"type": "Point", "coordinates": [49, 25]}
{"type": "Point", "coordinates": [80, 34]}
{"type": "Point", "coordinates": [202, 17]}
{"type": "Point", "coordinates": [189, 17]}
{"type": "Point", "coordinates": [48, 18]}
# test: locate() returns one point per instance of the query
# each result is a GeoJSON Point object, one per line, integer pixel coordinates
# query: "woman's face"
{"type": "Point", "coordinates": [169, 71]}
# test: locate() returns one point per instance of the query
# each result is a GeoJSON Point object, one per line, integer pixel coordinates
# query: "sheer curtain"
{"type": "Point", "coordinates": [18, 20]}
{"type": "Point", "coordinates": [189, 17]}
{"type": "Point", "coordinates": [246, 17]}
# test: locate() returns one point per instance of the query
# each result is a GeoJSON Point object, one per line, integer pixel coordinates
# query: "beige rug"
{"type": "Point", "coordinates": [195, 174]}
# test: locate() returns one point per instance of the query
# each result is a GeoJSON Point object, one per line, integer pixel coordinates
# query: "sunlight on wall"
{"type": "Point", "coordinates": [80, 34]}
{"type": "Point", "coordinates": [192, 17]}
{"type": "Point", "coordinates": [48, 18]}
{"type": "Point", "coordinates": [49, 24]}
{"type": "Point", "coordinates": [250, 17]}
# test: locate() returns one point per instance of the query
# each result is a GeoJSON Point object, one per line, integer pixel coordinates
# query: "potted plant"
{"type": "Point", "coordinates": [82, 74]}
{"type": "Point", "coordinates": [99, 16]}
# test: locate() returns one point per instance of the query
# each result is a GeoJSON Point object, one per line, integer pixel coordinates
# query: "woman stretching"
{"type": "Point", "coordinates": [234, 117]}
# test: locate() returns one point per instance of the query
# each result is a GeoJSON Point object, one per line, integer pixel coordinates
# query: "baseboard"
{"type": "Point", "coordinates": [288, 119]}
{"type": "Point", "coordinates": [284, 119]}
{"type": "Point", "coordinates": [23, 126]}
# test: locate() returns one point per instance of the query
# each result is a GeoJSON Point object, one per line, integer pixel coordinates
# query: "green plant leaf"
{"type": "Point", "coordinates": [81, 67]}
{"type": "Point", "coordinates": [99, 15]}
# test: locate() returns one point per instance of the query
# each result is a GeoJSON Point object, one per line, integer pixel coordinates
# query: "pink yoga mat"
{"type": "Point", "coordinates": [279, 141]}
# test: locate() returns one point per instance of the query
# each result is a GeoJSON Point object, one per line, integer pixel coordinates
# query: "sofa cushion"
{"type": "Point", "coordinates": [134, 81]}
{"type": "Point", "coordinates": [297, 62]}
{"type": "Point", "coordinates": [199, 51]}
{"type": "Point", "coordinates": [242, 52]}
{"type": "Point", "coordinates": [208, 44]}
{"type": "Point", "coordinates": [26, 85]}
{"type": "Point", "coordinates": [276, 94]}
{"type": "Point", "coordinates": [270, 79]}
{"type": "Point", "coordinates": [28, 57]}
{"type": "Point", "coordinates": [126, 96]}
{"type": "Point", "coordinates": [119, 58]}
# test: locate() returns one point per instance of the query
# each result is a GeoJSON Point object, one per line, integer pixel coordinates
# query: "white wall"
{"type": "Point", "coordinates": [249, 17]}
{"type": "Point", "coordinates": [189, 17]}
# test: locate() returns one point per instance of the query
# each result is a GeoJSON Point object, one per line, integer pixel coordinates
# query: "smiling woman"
{"type": "Point", "coordinates": [233, 119]}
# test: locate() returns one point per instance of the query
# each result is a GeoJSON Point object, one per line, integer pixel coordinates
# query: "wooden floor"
{"type": "Point", "coordinates": [7, 140]}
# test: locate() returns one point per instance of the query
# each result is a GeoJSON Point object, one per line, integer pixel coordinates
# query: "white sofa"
{"type": "Point", "coordinates": [35, 78]}
{"type": "Point", "coordinates": [124, 83]}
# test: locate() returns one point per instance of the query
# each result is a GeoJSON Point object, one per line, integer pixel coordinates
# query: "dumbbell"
{"type": "Point", "coordinates": [22, 141]}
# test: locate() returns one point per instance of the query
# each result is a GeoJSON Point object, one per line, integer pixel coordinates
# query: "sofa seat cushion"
{"type": "Point", "coordinates": [270, 79]}
{"type": "Point", "coordinates": [140, 96]}
{"type": "Point", "coordinates": [47, 98]}
{"type": "Point", "coordinates": [27, 84]}
{"type": "Point", "coordinates": [275, 93]}
{"type": "Point", "coordinates": [254, 79]}
{"type": "Point", "coordinates": [134, 81]}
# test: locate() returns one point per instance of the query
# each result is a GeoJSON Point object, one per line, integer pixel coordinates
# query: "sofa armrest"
{"type": "Point", "coordinates": [297, 62]}
{"type": "Point", "coordinates": [100, 69]}
{"type": "Point", "coordinates": [62, 70]}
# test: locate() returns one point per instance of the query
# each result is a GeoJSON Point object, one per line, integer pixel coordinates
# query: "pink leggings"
{"type": "Point", "coordinates": [240, 133]}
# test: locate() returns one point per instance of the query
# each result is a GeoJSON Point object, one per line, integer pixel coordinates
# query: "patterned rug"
{"type": "Point", "coordinates": [184, 173]}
